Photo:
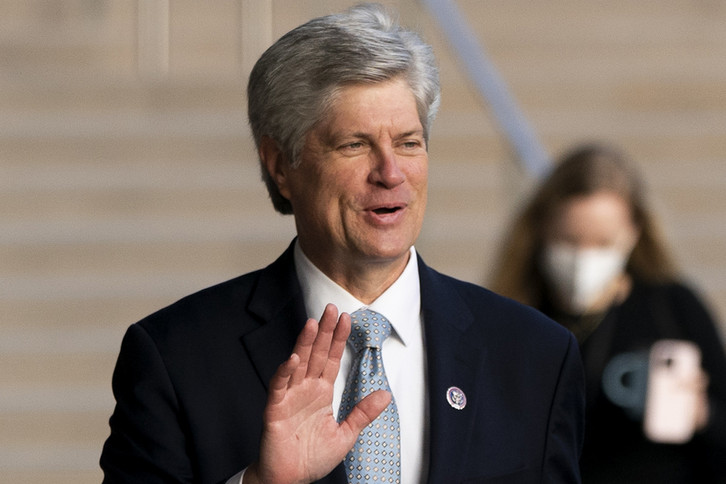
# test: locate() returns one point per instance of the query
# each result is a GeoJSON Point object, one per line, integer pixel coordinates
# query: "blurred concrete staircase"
{"type": "Point", "coordinates": [120, 193]}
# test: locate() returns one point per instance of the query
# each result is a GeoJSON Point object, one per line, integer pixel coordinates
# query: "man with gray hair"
{"type": "Point", "coordinates": [347, 359]}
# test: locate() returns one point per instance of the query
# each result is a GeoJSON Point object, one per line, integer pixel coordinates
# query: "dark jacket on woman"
{"type": "Point", "coordinates": [616, 449]}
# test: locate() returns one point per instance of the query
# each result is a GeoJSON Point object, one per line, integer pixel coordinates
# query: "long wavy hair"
{"type": "Point", "coordinates": [585, 170]}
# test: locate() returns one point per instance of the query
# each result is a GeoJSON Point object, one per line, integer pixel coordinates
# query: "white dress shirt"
{"type": "Point", "coordinates": [403, 353]}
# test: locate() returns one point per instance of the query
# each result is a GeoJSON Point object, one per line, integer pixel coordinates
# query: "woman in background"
{"type": "Point", "coordinates": [585, 251]}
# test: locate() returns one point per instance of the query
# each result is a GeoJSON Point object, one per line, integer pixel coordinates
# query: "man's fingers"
{"type": "Point", "coordinates": [303, 347]}
{"type": "Point", "coordinates": [321, 346]}
{"type": "Point", "coordinates": [337, 346]}
{"type": "Point", "coordinates": [367, 410]}
{"type": "Point", "coordinates": [278, 383]}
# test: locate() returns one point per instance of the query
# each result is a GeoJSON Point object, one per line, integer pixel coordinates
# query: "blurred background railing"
{"type": "Point", "coordinates": [128, 179]}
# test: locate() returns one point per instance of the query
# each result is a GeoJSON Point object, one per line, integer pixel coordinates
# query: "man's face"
{"type": "Point", "coordinates": [359, 192]}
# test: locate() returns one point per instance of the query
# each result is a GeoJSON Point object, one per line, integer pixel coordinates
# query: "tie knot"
{"type": "Point", "coordinates": [368, 329]}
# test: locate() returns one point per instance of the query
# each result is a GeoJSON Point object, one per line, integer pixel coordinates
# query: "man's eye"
{"type": "Point", "coordinates": [354, 146]}
{"type": "Point", "coordinates": [412, 146]}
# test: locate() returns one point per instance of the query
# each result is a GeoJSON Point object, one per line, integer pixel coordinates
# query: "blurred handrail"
{"type": "Point", "coordinates": [490, 85]}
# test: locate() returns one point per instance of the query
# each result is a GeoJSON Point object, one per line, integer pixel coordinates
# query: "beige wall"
{"type": "Point", "coordinates": [122, 189]}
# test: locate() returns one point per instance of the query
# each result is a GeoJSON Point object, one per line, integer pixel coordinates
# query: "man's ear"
{"type": "Point", "coordinates": [275, 164]}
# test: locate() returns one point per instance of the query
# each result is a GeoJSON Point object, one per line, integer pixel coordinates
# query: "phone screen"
{"type": "Point", "coordinates": [671, 397]}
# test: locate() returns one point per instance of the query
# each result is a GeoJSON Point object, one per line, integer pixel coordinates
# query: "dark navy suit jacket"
{"type": "Point", "coordinates": [191, 384]}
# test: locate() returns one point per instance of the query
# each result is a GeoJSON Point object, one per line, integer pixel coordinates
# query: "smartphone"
{"type": "Point", "coordinates": [671, 398]}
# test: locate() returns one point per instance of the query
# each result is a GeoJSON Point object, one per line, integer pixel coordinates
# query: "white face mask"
{"type": "Point", "coordinates": [580, 276]}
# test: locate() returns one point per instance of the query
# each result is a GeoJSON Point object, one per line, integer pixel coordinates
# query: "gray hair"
{"type": "Point", "coordinates": [296, 80]}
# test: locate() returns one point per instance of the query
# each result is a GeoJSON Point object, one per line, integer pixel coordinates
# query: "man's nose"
{"type": "Point", "coordinates": [386, 169]}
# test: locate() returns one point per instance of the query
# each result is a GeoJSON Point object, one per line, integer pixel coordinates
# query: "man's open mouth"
{"type": "Point", "coordinates": [385, 210]}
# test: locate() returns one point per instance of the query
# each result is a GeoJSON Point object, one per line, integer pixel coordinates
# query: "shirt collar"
{"type": "Point", "coordinates": [400, 303]}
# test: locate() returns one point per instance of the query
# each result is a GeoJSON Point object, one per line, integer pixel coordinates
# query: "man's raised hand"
{"type": "Point", "coordinates": [301, 441]}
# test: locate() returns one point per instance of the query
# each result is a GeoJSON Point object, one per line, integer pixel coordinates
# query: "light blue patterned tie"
{"type": "Point", "coordinates": [376, 455]}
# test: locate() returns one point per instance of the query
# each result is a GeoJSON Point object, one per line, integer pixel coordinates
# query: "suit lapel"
{"type": "Point", "coordinates": [452, 362]}
{"type": "Point", "coordinates": [278, 303]}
